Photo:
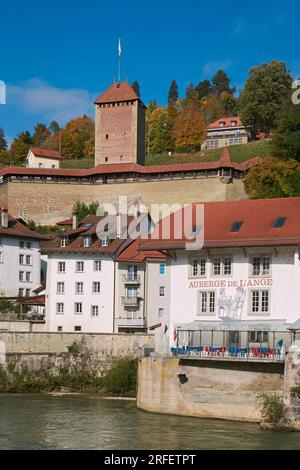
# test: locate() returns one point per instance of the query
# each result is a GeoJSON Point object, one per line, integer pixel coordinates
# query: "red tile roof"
{"type": "Point", "coordinates": [103, 169]}
{"type": "Point", "coordinates": [227, 123]}
{"type": "Point", "coordinates": [45, 153]}
{"type": "Point", "coordinates": [87, 226]}
{"type": "Point", "coordinates": [133, 255]}
{"type": "Point", "coordinates": [118, 92]}
{"type": "Point", "coordinates": [65, 222]}
{"type": "Point", "coordinates": [257, 215]}
{"type": "Point", "coordinates": [18, 230]}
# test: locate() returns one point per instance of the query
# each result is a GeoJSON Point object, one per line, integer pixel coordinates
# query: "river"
{"type": "Point", "coordinates": [89, 422]}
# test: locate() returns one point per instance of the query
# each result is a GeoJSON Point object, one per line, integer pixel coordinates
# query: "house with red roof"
{"type": "Point", "coordinates": [43, 158]}
{"type": "Point", "coordinates": [237, 289]}
{"type": "Point", "coordinates": [20, 259]}
{"type": "Point", "coordinates": [224, 132]}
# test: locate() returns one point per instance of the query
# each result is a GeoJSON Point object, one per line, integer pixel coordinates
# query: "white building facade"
{"type": "Point", "coordinates": [80, 293]}
{"type": "Point", "coordinates": [43, 158]}
{"type": "Point", "coordinates": [20, 260]}
{"type": "Point", "coordinates": [248, 271]}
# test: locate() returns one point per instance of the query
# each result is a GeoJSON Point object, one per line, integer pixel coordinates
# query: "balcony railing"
{"type": "Point", "coordinates": [131, 278]}
{"type": "Point", "coordinates": [131, 322]}
{"type": "Point", "coordinates": [130, 301]}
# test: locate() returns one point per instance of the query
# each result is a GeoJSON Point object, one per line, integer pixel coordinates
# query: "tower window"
{"type": "Point", "coordinates": [106, 159]}
{"type": "Point", "coordinates": [125, 134]}
{"type": "Point", "coordinates": [121, 157]}
{"type": "Point", "coordinates": [106, 136]}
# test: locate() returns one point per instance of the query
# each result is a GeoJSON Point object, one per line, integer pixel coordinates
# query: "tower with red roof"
{"type": "Point", "coordinates": [120, 126]}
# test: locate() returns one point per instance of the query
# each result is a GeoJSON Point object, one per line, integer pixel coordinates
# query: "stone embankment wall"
{"type": "Point", "coordinates": [46, 203]}
{"type": "Point", "coordinates": [51, 351]}
{"type": "Point", "coordinates": [206, 388]}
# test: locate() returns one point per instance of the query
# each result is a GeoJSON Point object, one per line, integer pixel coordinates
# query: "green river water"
{"type": "Point", "coordinates": [89, 422]}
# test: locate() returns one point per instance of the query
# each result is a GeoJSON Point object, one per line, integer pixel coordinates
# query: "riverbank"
{"type": "Point", "coordinates": [120, 379]}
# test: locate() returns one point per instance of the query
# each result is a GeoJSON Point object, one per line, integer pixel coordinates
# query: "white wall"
{"type": "Point", "coordinates": [283, 285]}
{"type": "Point", "coordinates": [105, 300]}
{"type": "Point", "coordinates": [34, 161]}
{"type": "Point", "coordinates": [10, 267]}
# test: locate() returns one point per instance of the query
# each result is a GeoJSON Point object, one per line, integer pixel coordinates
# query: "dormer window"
{"type": "Point", "coordinates": [222, 123]}
{"type": "Point", "coordinates": [104, 241]}
{"type": "Point", "coordinates": [87, 241]}
{"type": "Point", "coordinates": [233, 123]}
{"type": "Point", "coordinates": [63, 242]}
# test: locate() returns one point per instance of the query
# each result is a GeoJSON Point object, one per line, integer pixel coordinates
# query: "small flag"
{"type": "Point", "coordinates": [166, 329]}
{"type": "Point", "coordinates": [175, 334]}
{"type": "Point", "coordinates": [119, 47]}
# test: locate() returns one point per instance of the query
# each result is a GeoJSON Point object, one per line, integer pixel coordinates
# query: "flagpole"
{"type": "Point", "coordinates": [119, 54]}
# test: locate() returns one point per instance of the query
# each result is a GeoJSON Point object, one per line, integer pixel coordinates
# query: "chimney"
{"type": "Point", "coordinates": [74, 220]}
{"type": "Point", "coordinates": [4, 218]}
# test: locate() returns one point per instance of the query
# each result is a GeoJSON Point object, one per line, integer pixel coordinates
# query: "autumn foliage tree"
{"type": "Point", "coordinates": [273, 178]}
{"type": "Point", "coordinates": [189, 129]}
{"type": "Point", "coordinates": [160, 131]}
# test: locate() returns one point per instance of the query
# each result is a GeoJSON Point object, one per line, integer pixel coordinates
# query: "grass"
{"type": "Point", "coordinates": [238, 153]}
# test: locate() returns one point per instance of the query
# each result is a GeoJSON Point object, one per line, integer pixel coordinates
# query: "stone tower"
{"type": "Point", "coordinates": [120, 126]}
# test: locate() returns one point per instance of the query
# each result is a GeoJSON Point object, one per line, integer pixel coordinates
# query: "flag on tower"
{"type": "Point", "coordinates": [119, 47]}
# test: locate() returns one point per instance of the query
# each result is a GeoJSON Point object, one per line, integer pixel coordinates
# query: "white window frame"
{"type": "Point", "coordinates": [96, 291]}
{"type": "Point", "coordinates": [79, 288]}
{"type": "Point", "coordinates": [80, 263]}
{"type": "Point", "coordinates": [78, 308]}
{"type": "Point", "coordinates": [58, 285]}
{"type": "Point", "coordinates": [261, 272]}
{"type": "Point", "coordinates": [93, 309]}
{"type": "Point", "coordinates": [61, 264]}
{"type": "Point", "coordinates": [87, 241]}
{"type": "Point", "coordinates": [260, 310]}
{"type": "Point", "coordinates": [60, 308]}
{"type": "Point", "coordinates": [222, 265]}
{"type": "Point", "coordinates": [99, 263]}
{"type": "Point", "coordinates": [206, 296]}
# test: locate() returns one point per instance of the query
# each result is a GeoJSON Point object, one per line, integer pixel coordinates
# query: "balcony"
{"type": "Point", "coordinates": [131, 278]}
{"type": "Point", "coordinates": [130, 301]}
{"type": "Point", "coordinates": [131, 322]}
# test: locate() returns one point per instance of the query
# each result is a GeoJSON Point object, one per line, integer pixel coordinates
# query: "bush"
{"type": "Point", "coordinates": [295, 392]}
{"type": "Point", "coordinates": [73, 348]}
{"type": "Point", "coordinates": [272, 407]}
{"type": "Point", "coordinates": [122, 377]}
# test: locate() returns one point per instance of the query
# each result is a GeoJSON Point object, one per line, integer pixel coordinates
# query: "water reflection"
{"type": "Point", "coordinates": [88, 422]}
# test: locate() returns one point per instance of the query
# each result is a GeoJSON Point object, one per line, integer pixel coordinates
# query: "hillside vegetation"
{"type": "Point", "coordinates": [238, 153]}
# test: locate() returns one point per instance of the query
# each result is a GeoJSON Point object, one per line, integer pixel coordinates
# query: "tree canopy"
{"type": "Point", "coordinates": [267, 88]}
{"type": "Point", "coordinates": [286, 139]}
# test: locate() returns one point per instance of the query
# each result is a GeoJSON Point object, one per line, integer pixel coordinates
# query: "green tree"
{"type": "Point", "coordinates": [173, 93]}
{"type": "Point", "coordinates": [273, 178]}
{"type": "Point", "coordinates": [189, 93]}
{"type": "Point", "coordinates": [221, 83]}
{"type": "Point", "coordinates": [203, 89]}
{"type": "Point", "coordinates": [3, 141]}
{"type": "Point", "coordinates": [286, 140]}
{"type": "Point", "coordinates": [54, 127]}
{"type": "Point", "coordinates": [41, 133]}
{"type": "Point", "coordinates": [160, 131]}
{"type": "Point", "coordinates": [83, 210]}
{"type": "Point", "coordinates": [20, 147]}
{"type": "Point", "coordinates": [267, 88]}
{"type": "Point", "coordinates": [136, 88]}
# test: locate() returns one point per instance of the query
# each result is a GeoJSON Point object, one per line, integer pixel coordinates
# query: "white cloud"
{"type": "Point", "coordinates": [37, 97]}
{"type": "Point", "coordinates": [212, 67]}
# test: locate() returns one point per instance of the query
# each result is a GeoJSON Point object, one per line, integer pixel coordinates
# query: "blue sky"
{"type": "Point", "coordinates": [57, 56]}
